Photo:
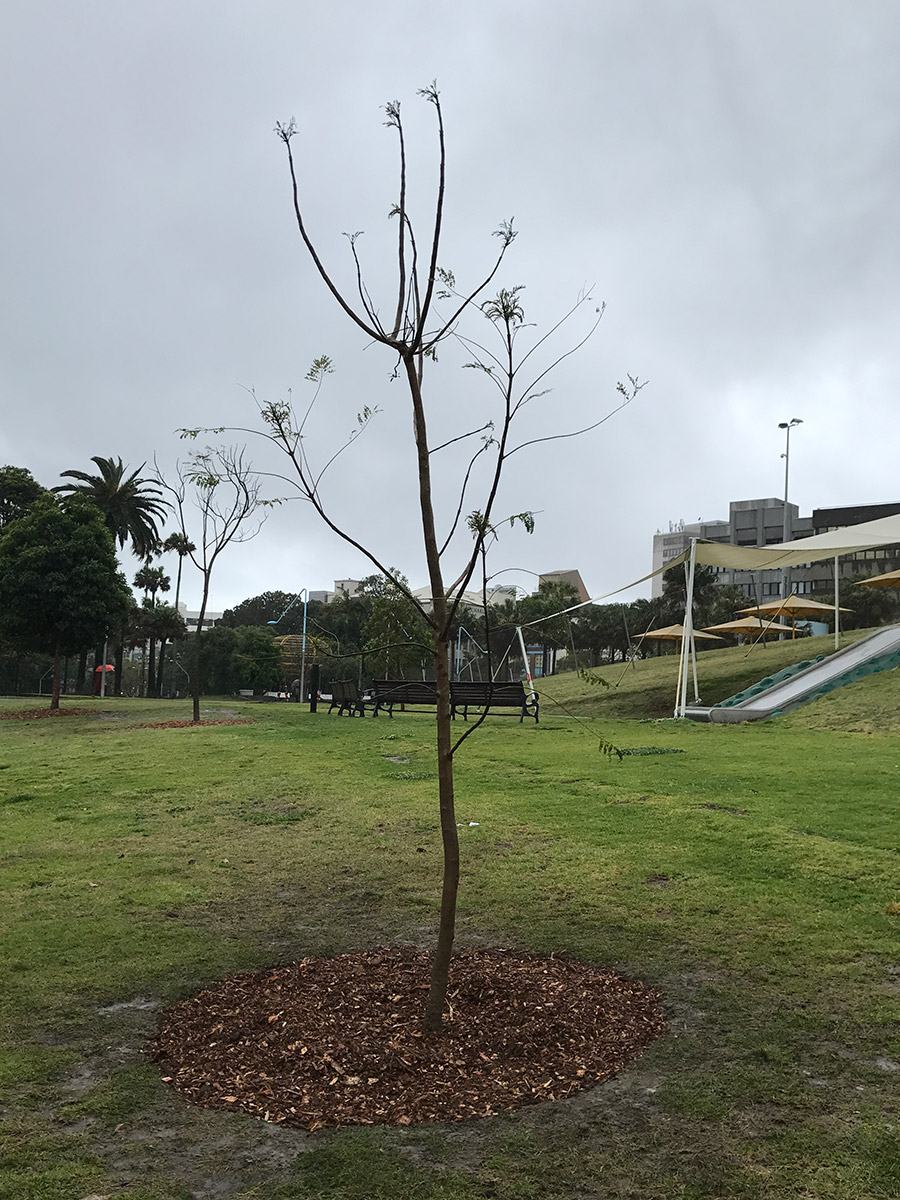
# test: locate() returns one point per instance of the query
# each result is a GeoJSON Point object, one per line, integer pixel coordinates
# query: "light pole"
{"type": "Point", "coordinates": [304, 592]}
{"type": "Point", "coordinates": [787, 426]}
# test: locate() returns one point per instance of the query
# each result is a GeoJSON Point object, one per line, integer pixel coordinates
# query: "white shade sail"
{"type": "Point", "coordinates": [883, 532]}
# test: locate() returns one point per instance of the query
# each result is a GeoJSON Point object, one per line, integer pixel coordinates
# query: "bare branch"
{"type": "Point", "coordinates": [628, 393]}
{"type": "Point", "coordinates": [462, 437]}
{"type": "Point", "coordinates": [286, 132]}
{"type": "Point", "coordinates": [393, 111]}
{"type": "Point", "coordinates": [487, 442]}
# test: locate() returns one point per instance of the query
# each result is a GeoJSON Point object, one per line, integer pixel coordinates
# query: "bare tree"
{"type": "Point", "coordinates": [413, 333]}
{"type": "Point", "coordinates": [217, 497]}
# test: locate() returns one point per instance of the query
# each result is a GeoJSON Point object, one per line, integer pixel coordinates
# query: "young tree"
{"type": "Point", "coordinates": [60, 587]}
{"type": "Point", "coordinates": [412, 328]}
{"type": "Point", "coordinates": [223, 490]}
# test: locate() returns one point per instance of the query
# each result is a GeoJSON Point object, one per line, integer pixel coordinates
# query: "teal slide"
{"type": "Point", "coordinates": [807, 681]}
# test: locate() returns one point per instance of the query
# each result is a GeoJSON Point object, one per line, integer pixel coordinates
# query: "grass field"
{"type": "Point", "coordinates": [749, 872]}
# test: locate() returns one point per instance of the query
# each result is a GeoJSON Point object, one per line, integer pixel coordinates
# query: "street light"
{"type": "Point", "coordinates": [304, 592]}
{"type": "Point", "coordinates": [787, 426]}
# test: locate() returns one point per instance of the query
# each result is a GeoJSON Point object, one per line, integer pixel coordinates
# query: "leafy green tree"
{"type": "Point", "coordinates": [236, 658]}
{"type": "Point", "coordinates": [60, 587]}
{"type": "Point", "coordinates": [18, 492]}
{"type": "Point", "coordinates": [259, 610]}
{"type": "Point", "coordinates": [554, 632]}
{"type": "Point", "coordinates": [707, 597]}
{"type": "Point", "coordinates": [396, 637]}
{"type": "Point", "coordinates": [868, 606]}
{"type": "Point", "coordinates": [131, 506]}
{"type": "Point", "coordinates": [602, 631]}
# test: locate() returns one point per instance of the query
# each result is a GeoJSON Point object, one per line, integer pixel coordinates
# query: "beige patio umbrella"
{"type": "Point", "coordinates": [794, 607]}
{"type": "Point", "coordinates": [675, 633]}
{"type": "Point", "coordinates": [749, 625]}
{"type": "Point", "coordinates": [890, 580]}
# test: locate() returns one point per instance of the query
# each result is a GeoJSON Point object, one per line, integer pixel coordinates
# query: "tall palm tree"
{"type": "Point", "coordinates": [183, 546]}
{"type": "Point", "coordinates": [131, 506]}
{"type": "Point", "coordinates": [152, 580]}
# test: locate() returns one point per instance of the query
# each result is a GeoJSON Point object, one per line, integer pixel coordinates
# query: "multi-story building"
{"type": "Point", "coordinates": [191, 618]}
{"type": "Point", "coordinates": [761, 523]}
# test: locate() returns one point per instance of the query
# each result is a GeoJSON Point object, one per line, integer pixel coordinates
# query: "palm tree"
{"type": "Point", "coordinates": [183, 546]}
{"type": "Point", "coordinates": [152, 580]}
{"type": "Point", "coordinates": [131, 506]}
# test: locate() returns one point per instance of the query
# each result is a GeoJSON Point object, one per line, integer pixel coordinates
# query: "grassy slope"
{"type": "Point", "coordinates": [648, 688]}
{"type": "Point", "coordinates": [749, 876]}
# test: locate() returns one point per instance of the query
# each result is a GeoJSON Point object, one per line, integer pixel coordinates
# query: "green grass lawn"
{"type": "Point", "coordinates": [750, 876]}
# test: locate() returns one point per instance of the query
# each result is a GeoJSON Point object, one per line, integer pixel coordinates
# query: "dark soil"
{"type": "Point", "coordinates": [338, 1041]}
{"type": "Point", "coordinates": [194, 724]}
{"type": "Point", "coordinates": [35, 714]}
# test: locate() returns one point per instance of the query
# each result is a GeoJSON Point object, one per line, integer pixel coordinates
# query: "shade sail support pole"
{"type": "Point", "coordinates": [687, 641]}
{"type": "Point", "coordinates": [837, 611]}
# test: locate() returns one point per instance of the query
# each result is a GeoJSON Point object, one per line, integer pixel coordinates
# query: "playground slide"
{"type": "Point", "coordinates": [800, 684]}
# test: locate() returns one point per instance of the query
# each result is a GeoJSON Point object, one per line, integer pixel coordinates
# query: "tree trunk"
{"type": "Point", "coordinates": [159, 669]}
{"type": "Point", "coordinates": [195, 669]}
{"type": "Point", "coordinates": [82, 670]}
{"type": "Point", "coordinates": [117, 677]}
{"type": "Point", "coordinates": [151, 668]}
{"type": "Point", "coordinates": [440, 967]}
{"type": "Point", "coordinates": [54, 694]}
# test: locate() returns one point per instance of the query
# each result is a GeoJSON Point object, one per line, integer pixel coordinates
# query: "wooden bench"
{"type": "Point", "coordinates": [346, 698]}
{"type": "Point", "coordinates": [388, 692]}
{"type": "Point", "coordinates": [463, 696]}
{"type": "Point", "coordinates": [485, 694]}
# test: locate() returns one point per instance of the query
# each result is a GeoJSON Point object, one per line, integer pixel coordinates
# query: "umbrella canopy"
{"type": "Point", "coordinates": [107, 667]}
{"type": "Point", "coordinates": [793, 606]}
{"type": "Point", "coordinates": [750, 625]}
{"type": "Point", "coordinates": [890, 580]}
{"type": "Point", "coordinates": [674, 633]}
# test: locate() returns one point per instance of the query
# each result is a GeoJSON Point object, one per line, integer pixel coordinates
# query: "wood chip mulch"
{"type": "Point", "coordinates": [338, 1041]}
{"type": "Point", "coordinates": [35, 714]}
{"type": "Point", "coordinates": [195, 724]}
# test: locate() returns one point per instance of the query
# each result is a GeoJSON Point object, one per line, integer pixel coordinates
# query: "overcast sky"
{"type": "Point", "coordinates": [723, 175]}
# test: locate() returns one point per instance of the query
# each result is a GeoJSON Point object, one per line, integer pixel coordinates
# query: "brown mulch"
{"type": "Point", "coordinates": [35, 714]}
{"type": "Point", "coordinates": [338, 1041]}
{"type": "Point", "coordinates": [195, 724]}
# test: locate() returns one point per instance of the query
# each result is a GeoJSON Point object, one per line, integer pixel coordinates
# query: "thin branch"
{"type": "Point", "coordinates": [364, 296]}
{"type": "Point", "coordinates": [393, 112]}
{"type": "Point", "coordinates": [462, 495]}
{"type": "Point", "coordinates": [629, 394]}
{"type": "Point", "coordinates": [432, 95]}
{"type": "Point", "coordinates": [286, 132]}
{"type": "Point", "coordinates": [462, 437]}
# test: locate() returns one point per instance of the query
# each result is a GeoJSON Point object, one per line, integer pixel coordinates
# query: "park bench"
{"type": "Point", "coordinates": [388, 692]}
{"type": "Point", "coordinates": [477, 693]}
{"type": "Point", "coordinates": [463, 696]}
{"type": "Point", "coordinates": [346, 698]}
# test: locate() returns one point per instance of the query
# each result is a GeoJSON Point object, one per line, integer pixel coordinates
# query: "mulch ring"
{"type": "Point", "coordinates": [195, 724]}
{"type": "Point", "coordinates": [338, 1041]}
{"type": "Point", "coordinates": [35, 714]}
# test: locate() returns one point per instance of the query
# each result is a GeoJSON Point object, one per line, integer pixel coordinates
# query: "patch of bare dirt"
{"type": "Point", "coordinates": [338, 1041]}
{"type": "Point", "coordinates": [36, 714]}
{"type": "Point", "coordinates": [195, 724]}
